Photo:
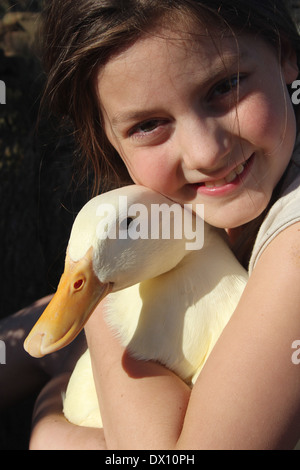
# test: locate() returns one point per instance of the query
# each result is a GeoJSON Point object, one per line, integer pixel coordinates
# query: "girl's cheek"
{"type": "Point", "coordinates": [151, 169]}
{"type": "Point", "coordinates": [156, 178]}
{"type": "Point", "coordinates": [264, 120]}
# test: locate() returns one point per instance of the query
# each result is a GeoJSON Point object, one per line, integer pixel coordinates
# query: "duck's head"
{"type": "Point", "coordinates": [118, 239]}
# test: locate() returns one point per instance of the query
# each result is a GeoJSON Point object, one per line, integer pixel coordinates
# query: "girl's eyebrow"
{"type": "Point", "coordinates": [132, 116]}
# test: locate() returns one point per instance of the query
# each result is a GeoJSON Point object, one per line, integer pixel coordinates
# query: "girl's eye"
{"type": "Point", "coordinates": [146, 127]}
{"type": "Point", "coordinates": [152, 132]}
{"type": "Point", "coordinates": [227, 86]}
{"type": "Point", "coordinates": [128, 222]}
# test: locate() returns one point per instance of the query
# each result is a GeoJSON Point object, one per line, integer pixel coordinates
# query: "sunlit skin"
{"type": "Point", "coordinates": [183, 113]}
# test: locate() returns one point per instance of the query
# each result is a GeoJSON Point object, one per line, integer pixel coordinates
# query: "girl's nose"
{"type": "Point", "coordinates": [204, 144]}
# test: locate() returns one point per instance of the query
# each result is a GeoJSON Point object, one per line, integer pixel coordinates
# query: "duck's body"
{"type": "Point", "coordinates": [174, 315]}
{"type": "Point", "coordinates": [178, 326]}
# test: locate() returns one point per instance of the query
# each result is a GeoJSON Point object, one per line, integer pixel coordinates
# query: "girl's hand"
{"type": "Point", "coordinates": [23, 374]}
{"type": "Point", "coordinates": [51, 431]}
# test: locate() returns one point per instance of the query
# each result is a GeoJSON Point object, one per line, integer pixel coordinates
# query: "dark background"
{"type": "Point", "coordinates": [39, 185]}
{"type": "Point", "coordinates": [40, 192]}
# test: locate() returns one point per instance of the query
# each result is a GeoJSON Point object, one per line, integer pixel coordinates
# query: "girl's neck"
{"type": "Point", "coordinates": [242, 238]}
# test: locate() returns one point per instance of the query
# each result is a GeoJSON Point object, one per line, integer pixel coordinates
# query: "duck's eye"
{"type": "Point", "coordinates": [125, 225]}
{"type": "Point", "coordinates": [128, 221]}
{"type": "Point", "coordinates": [78, 284]}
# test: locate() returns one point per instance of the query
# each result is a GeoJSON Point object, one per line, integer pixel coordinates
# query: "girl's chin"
{"type": "Point", "coordinates": [233, 213]}
{"type": "Point", "coordinates": [233, 220]}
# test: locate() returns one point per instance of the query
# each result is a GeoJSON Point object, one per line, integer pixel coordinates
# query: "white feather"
{"type": "Point", "coordinates": [168, 304]}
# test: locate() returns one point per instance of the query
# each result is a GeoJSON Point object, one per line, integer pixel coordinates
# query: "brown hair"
{"type": "Point", "coordinates": [82, 35]}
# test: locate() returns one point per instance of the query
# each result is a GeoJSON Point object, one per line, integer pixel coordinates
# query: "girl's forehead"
{"type": "Point", "coordinates": [176, 53]}
{"type": "Point", "coordinates": [182, 42]}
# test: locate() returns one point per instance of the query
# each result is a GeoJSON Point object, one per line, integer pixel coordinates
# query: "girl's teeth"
{"type": "Point", "coordinates": [239, 169]}
{"type": "Point", "coordinates": [209, 185]}
{"type": "Point", "coordinates": [220, 183]}
{"type": "Point", "coordinates": [229, 178]}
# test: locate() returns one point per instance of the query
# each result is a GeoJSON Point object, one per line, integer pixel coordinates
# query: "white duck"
{"type": "Point", "coordinates": [167, 301]}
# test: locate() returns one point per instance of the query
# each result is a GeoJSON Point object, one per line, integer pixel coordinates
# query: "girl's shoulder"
{"type": "Point", "coordinates": [284, 212]}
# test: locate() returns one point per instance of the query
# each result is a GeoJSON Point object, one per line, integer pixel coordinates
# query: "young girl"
{"type": "Point", "coordinates": [191, 98]}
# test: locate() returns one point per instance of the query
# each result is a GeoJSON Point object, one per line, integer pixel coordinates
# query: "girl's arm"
{"type": "Point", "coordinates": [248, 394]}
{"type": "Point", "coordinates": [142, 403]}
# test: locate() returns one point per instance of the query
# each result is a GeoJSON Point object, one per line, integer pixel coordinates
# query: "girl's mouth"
{"type": "Point", "coordinates": [230, 182]}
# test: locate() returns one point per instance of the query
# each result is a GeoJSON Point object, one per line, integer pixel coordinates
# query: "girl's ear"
{"type": "Point", "coordinates": [289, 63]}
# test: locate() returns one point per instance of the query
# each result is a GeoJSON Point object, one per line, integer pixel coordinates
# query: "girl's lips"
{"type": "Point", "coordinates": [228, 184]}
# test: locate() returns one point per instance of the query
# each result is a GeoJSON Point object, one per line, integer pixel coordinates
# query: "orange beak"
{"type": "Point", "coordinates": [78, 293]}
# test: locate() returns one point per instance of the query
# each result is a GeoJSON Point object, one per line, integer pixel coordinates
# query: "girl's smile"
{"type": "Point", "coordinates": [228, 182]}
{"type": "Point", "coordinates": [201, 121]}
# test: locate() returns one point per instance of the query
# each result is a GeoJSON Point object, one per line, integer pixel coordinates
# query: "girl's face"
{"type": "Point", "coordinates": [206, 121]}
